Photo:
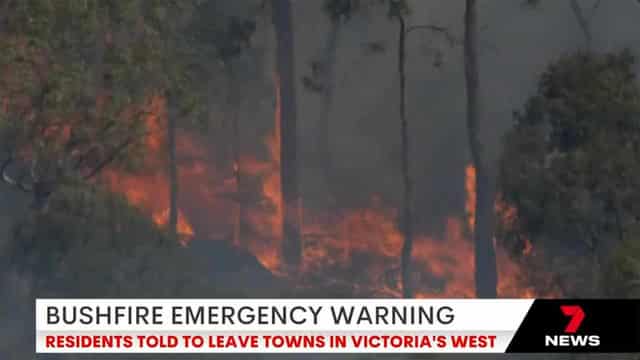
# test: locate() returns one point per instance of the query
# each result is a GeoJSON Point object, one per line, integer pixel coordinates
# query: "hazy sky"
{"type": "Point", "coordinates": [517, 43]}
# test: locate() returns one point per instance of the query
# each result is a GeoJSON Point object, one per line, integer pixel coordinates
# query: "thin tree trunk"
{"type": "Point", "coordinates": [237, 174]}
{"type": "Point", "coordinates": [485, 258]}
{"type": "Point", "coordinates": [173, 168]}
{"type": "Point", "coordinates": [4, 14]}
{"type": "Point", "coordinates": [584, 24]}
{"type": "Point", "coordinates": [324, 125]}
{"type": "Point", "coordinates": [239, 216]}
{"type": "Point", "coordinates": [291, 227]}
{"type": "Point", "coordinates": [407, 216]}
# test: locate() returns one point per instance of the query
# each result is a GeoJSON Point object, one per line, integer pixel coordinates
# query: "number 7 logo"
{"type": "Point", "coordinates": [577, 315]}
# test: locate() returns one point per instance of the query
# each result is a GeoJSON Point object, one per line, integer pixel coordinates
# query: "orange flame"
{"type": "Point", "coordinates": [360, 250]}
{"type": "Point", "coordinates": [184, 228]}
{"type": "Point", "coordinates": [266, 219]}
{"type": "Point", "coordinates": [367, 242]}
{"type": "Point", "coordinates": [145, 191]}
{"type": "Point", "coordinates": [272, 183]}
{"type": "Point", "coordinates": [470, 188]}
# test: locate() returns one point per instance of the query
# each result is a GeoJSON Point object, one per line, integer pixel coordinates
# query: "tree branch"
{"type": "Point", "coordinates": [595, 7]}
{"type": "Point", "coordinates": [102, 133]}
{"type": "Point", "coordinates": [109, 159]}
{"type": "Point", "coordinates": [8, 179]}
{"type": "Point", "coordinates": [75, 144]}
{"type": "Point", "coordinates": [583, 21]}
{"type": "Point", "coordinates": [436, 29]}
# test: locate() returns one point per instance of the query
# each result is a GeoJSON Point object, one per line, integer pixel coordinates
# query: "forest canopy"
{"type": "Point", "coordinates": [570, 162]}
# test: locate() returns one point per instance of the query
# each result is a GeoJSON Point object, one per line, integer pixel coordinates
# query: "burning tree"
{"type": "Point", "coordinates": [397, 11]}
{"type": "Point", "coordinates": [73, 92]}
{"type": "Point", "coordinates": [231, 42]}
{"type": "Point", "coordinates": [285, 73]}
{"type": "Point", "coordinates": [189, 36]}
{"type": "Point", "coordinates": [485, 256]}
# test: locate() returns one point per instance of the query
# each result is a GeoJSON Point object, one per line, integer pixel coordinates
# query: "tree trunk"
{"type": "Point", "coordinates": [407, 217]}
{"type": "Point", "coordinates": [324, 125]}
{"type": "Point", "coordinates": [485, 258]}
{"type": "Point", "coordinates": [584, 24]}
{"type": "Point", "coordinates": [173, 168]}
{"type": "Point", "coordinates": [239, 211]}
{"type": "Point", "coordinates": [4, 14]}
{"type": "Point", "coordinates": [238, 235]}
{"type": "Point", "coordinates": [291, 244]}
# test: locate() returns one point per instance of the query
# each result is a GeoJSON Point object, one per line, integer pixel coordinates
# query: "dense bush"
{"type": "Point", "coordinates": [570, 164]}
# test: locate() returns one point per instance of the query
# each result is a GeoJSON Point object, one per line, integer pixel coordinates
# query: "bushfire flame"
{"type": "Point", "coordinates": [359, 251]}
{"type": "Point", "coordinates": [145, 191]}
{"type": "Point", "coordinates": [470, 189]}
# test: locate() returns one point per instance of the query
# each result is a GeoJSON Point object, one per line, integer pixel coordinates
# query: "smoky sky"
{"type": "Point", "coordinates": [517, 43]}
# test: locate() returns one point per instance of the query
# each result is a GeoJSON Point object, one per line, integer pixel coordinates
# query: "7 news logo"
{"type": "Point", "coordinates": [570, 338]}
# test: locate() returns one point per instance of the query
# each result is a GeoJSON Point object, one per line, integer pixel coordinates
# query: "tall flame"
{"type": "Point", "coordinates": [145, 191]}
{"type": "Point", "coordinates": [470, 188]}
{"type": "Point", "coordinates": [359, 251]}
{"type": "Point", "coordinates": [267, 219]}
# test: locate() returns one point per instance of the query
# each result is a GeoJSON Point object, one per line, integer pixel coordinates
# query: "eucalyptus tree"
{"type": "Point", "coordinates": [74, 89]}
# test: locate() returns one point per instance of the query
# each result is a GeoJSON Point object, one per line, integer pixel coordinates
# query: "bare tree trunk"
{"type": "Point", "coordinates": [485, 258]}
{"type": "Point", "coordinates": [583, 22]}
{"type": "Point", "coordinates": [4, 14]}
{"type": "Point", "coordinates": [239, 211]}
{"type": "Point", "coordinates": [173, 167]}
{"type": "Point", "coordinates": [238, 235]}
{"type": "Point", "coordinates": [407, 216]}
{"type": "Point", "coordinates": [291, 227]}
{"type": "Point", "coordinates": [324, 125]}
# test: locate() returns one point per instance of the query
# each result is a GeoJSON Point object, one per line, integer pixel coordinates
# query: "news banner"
{"type": "Point", "coordinates": [336, 326]}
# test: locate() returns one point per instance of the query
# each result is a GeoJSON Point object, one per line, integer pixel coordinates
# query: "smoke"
{"type": "Point", "coordinates": [517, 42]}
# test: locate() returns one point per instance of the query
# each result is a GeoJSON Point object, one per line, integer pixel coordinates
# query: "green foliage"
{"type": "Point", "coordinates": [194, 42]}
{"type": "Point", "coordinates": [623, 275]}
{"type": "Point", "coordinates": [77, 76]}
{"type": "Point", "coordinates": [85, 233]}
{"type": "Point", "coordinates": [586, 95]}
{"type": "Point", "coordinates": [92, 243]}
{"type": "Point", "coordinates": [570, 165]}
{"type": "Point", "coordinates": [75, 79]}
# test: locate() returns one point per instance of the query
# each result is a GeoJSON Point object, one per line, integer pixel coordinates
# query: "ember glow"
{"type": "Point", "coordinates": [358, 251]}
{"type": "Point", "coordinates": [470, 189]}
{"type": "Point", "coordinates": [268, 219]}
{"type": "Point", "coordinates": [147, 191]}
